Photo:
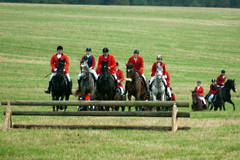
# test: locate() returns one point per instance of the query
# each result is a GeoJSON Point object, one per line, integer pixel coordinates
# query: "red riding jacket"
{"type": "Point", "coordinates": [111, 63]}
{"type": "Point", "coordinates": [200, 91]}
{"type": "Point", "coordinates": [154, 68]}
{"type": "Point", "coordinates": [54, 62]}
{"type": "Point", "coordinates": [138, 65]}
{"type": "Point", "coordinates": [120, 77]}
{"type": "Point", "coordinates": [221, 80]}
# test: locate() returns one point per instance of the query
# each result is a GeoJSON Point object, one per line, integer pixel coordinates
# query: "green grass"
{"type": "Point", "coordinates": [196, 43]}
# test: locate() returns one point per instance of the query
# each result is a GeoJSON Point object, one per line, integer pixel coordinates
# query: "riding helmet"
{"type": "Point", "coordinates": [136, 51]}
{"type": "Point", "coordinates": [105, 50]}
{"type": "Point", "coordinates": [199, 81]}
{"type": "Point", "coordinates": [213, 80]}
{"type": "Point", "coordinates": [223, 71]}
{"type": "Point", "coordinates": [88, 49]}
{"type": "Point", "coordinates": [59, 48]}
{"type": "Point", "coordinates": [159, 57]}
{"type": "Point", "coordinates": [116, 63]}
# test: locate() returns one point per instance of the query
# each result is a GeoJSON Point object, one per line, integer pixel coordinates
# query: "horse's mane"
{"type": "Point", "coordinates": [130, 66]}
{"type": "Point", "coordinates": [194, 91]}
{"type": "Point", "coordinates": [229, 81]}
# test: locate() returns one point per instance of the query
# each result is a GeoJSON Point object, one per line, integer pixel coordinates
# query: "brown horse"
{"type": "Point", "coordinates": [135, 86]}
{"type": "Point", "coordinates": [119, 97]}
{"type": "Point", "coordinates": [197, 103]}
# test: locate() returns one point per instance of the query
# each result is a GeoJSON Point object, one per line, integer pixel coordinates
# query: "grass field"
{"type": "Point", "coordinates": [196, 43]}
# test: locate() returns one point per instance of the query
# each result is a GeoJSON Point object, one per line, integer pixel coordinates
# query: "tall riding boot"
{"type": "Point", "coordinates": [49, 87]}
{"type": "Point", "coordinates": [150, 86]}
{"type": "Point", "coordinates": [148, 92]}
{"type": "Point", "coordinates": [70, 86]}
{"type": "Point", "coordinates": [79, 86]}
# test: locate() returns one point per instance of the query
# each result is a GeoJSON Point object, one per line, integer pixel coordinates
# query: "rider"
{"type": "Point", "coordinates": [213, 90]}
{"type": "Point", "coordinates": [54, 63]}
{"type": "Point", "coordinates": [120, 78]}
{"type": "Point", "coordinates": [111, 63]}
{"type": "Point", "coordinates": [138, 63]}
{"type": "Point", "coordinates": [200, 92]}
{"type": "Point", "coordinates": [91, 64]}
{"type": "Point", "coordinates": [221, 79]}
{"type": "Point", "coordinates": [164, 77]}
{"type": "Point", "coordinates": [173, 95]}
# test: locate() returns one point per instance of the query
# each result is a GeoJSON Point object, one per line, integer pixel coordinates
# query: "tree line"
{"type": "Point", "coordinates": [185, 3]}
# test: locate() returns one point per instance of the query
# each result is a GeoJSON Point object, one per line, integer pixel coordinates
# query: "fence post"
{"type": "Point", "coordinates": [8, 118]}
{"type": "Point", "coordinates": [174, 118]}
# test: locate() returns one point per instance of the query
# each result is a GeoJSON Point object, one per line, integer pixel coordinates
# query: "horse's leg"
{"type": "Point", "coordinates": [211, 107]}
{"type": "Point", "coordinates": [129, 98]}
{"type": "Point", "coordinates": [53, 98]}
{"type": "Point", "coordinates": [231, 102]}
{"type": "Point", "coordinates": [67, 98]}
{"type": "Point", "coordinates": [62, 97]}
{"type": "Point", "coordinates": [224, 106]}
{"type": "Point", "coordinates": [136, 99]}
{"type": "Point", "coordinates": [57, 98]}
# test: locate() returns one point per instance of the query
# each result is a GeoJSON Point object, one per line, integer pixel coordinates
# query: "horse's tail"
{"type": "Point", "coordinates": [76, 93]}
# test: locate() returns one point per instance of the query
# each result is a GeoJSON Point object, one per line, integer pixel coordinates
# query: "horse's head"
{"type": "Point", "coordinates": [159, 73]}
{"type": "Point", "coordinates": [194, 97]}
{"type": "Point", "coordinates": [130, 71]}
{"type": "Point", "coordinates": [60, 67]}
{"type": "Point", "coordinates": [231, 84]}
{"type": "Point", "coordinates": [105, 69]}
{"type": "Point", "coordinates": [84, 69]}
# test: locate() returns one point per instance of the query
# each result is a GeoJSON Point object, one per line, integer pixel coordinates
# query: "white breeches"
{"type": "Point", "coordinates": [202, 98]}
{"type": "Point", "coordinates": [122, 91]}
{"type": "Point", "coordinates": [91, 71]}
{"type": "Point", "coordinates": [152, 79]}
{"type": "Point", "coordinates": [210, 98]}
{"type": "Point", "coordinates": [54, 74]}
{"type": "Point", "coordinates": [143, 77]}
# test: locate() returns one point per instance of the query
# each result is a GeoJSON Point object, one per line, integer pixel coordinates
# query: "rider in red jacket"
{"type": "Point", "coordinates": [221, 79]}
{"type": "Point", "coordinates": [120, 78]}
{"type": "Point", "coordinates": [200, 92]}
{"type": "Point", "coordinates": [213, 90]}
{"type": "Point", "coordinates": [138, 63]}
{"type": "Point", "coordinates": [54, 62]}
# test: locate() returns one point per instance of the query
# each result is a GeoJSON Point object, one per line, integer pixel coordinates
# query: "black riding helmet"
{"type": "Point", "coordinates": [223, 71]}
{"type": "Point", "coordinates": [117, 64]}
{"type": "Point", "coordinates": [88, 49]}
{"type": "Point", "coordinates": [136, 51]}
{"type": "Point", "coordinates": [105, 50]}
{"type": "Point", "coordinates": [59, 48]}
{"type": "Point", "coordinates": [213, 80]}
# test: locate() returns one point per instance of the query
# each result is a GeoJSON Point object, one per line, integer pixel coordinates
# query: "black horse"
{"type": "Point", "coordinates": [230, 84]}
{"type": "Point", "coordinates": [60, 85]}
{"type": "Point", "coordinates": [218, 102]}
{"type": "Point", "coordinates": [106, 84]}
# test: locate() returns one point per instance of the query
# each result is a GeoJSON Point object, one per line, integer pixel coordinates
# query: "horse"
{"type": "Point", "coordinates": [135, 85]}
{"type": "Point", "coordinates": [158, 88]}
{"type": "Point", "coordinates": [226, 95]}
{"type": "Point", "coordinates": [197, 103]}
{"type": "Point", "coordinates": [87, 83]}
{"type": "Point", "coordinates": [60, 85]}
{"type": "Point", "coordinates": [218, 102]}
{"type": "Point", "coordinates": [106, 84]}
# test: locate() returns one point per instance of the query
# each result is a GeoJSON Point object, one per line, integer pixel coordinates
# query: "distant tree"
{"type": "Point", "coordinates": [139, 2]}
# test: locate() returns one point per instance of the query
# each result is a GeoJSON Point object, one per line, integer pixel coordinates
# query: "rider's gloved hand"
{"type": "Point", "coordinates": [139, 71]}
{"type": "Point", "coordinates": [55, 69]}
{"type": "Point", "coordinates": [118, 81]}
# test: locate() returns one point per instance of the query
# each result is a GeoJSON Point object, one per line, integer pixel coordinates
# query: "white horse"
{"type": "Point", "coordinates": [158, 88]}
